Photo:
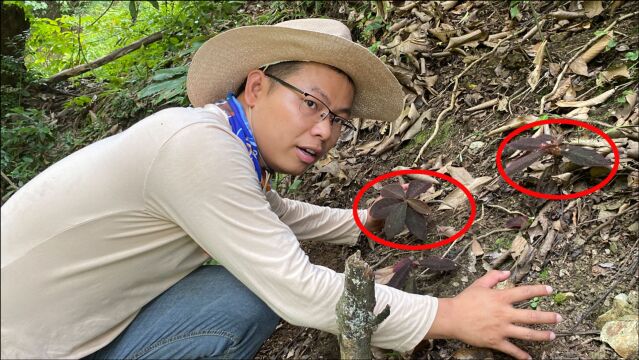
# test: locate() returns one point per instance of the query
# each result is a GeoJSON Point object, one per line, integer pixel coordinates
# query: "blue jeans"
{"type": "Point", "coordinates": [207, 315]}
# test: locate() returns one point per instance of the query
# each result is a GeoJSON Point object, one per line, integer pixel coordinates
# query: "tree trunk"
{"type": "Point", "coordinates": [355, 318]}
{"type": "Point", "coordinates": [81, 69]}
{"type": "Point", "coordinates": [13, 28]}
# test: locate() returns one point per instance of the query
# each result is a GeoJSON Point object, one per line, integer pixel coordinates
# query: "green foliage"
{"type": "Point", "coordinates": [632, 55]}
{"type": "Point", "coordinates": [559, 298]}
{"type": "Point", "coordinates": [535, 302]}
{"type": "Point", "coordinates": [168, 85]}
{"type": "Point", "coordinates": [544, 274]}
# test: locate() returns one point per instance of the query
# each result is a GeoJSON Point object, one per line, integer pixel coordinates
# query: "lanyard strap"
{"type": "Point", "coordinates": [241, 129]}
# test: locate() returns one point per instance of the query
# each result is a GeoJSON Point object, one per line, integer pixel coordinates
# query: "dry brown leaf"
{"type": "Point", "coordinates": [570, 94]}
{"type": "Point", "coordinates": [554, 68]}
{"type": "Point", "coordinates": [431, 80]}
{"type": "Point", "coordinates": [533, 78]}
{"type": "Point", "coordinates": [461, 40]}
{"type": "Point", "coordinates": [461, 174]}
{"type": "Point", "coordinates": [473, 354]}
{"type": "Point", "coordinates": [619, 71]}
{"type": "Point", "coordinates": [476, 248]}
{"type": "Point", "coordinates": [580, 64]}
{"type": "Point", "coordinates": [561, 90]}
{"type": "Point", "coordinates": [458, 197]}
{"type": "Point", "coordinates": [590, 102]}
{"type": "Point", "coordinates": [514, 123]}
{"type": "Point", "coordinates": [578, 113]}
{"type": "Point", "coordinates": [592, 8]}
{"type": "Point", "coordinates": [519, 246]}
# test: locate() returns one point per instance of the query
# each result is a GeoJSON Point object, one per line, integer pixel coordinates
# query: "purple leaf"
{"type": "Point", "coordinates": [584, 157]}
{"type": "Point", "coordinates": [402, 270]}
{"type": "Point", "coordinates": [416, 224]}
{"type": "Point", "coordinates": [383, 207]}
{"type": "Point", "coordinates": [517, 222]}
{"type": "Point", "coordinates": [522, 162]}
{"type": "Point", "coordinates": [439, 264]}
{"type": "Point", "coordinates": [531, 143]}
{"type": "Point", "coordinates": [419, 206]}
{"type": "Point", "coordinates": [394, 191]}
{"type": "Point", "coordinates": [417, 187]}
{"type": "Point", "coordinates": [395, 221]}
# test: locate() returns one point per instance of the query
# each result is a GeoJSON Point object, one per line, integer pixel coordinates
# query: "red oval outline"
{"type": "Point", "coordinates": [457, 235]}
{"type": "Point", "coordinates": [536, 194]}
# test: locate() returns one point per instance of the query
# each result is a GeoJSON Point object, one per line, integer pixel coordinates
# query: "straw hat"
{"type": "Point", "coordinates": [221, 64]}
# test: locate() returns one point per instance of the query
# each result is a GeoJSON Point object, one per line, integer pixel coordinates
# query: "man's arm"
{"type": "Point", "coordinates": [313, 222]}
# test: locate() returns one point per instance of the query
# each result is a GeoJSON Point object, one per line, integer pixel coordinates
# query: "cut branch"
{"type": "Point", "coordinates": [81, 69]}
{"type": "Point", "coordinates": [355, 318]}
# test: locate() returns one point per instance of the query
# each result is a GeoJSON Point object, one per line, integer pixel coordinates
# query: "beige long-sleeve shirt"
{"type": "Point", "coordinates": [99, 234]}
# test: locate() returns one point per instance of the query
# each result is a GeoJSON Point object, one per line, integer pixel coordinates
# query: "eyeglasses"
{"type": "Point", "coordinates": [314, 107]}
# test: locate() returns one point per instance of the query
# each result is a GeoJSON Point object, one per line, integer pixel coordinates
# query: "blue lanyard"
{"type": "Point", "coordinates": [241, 128]}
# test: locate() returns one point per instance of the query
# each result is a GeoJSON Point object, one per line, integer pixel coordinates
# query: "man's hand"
{"type": "Point", "coordinates": [484, 317]}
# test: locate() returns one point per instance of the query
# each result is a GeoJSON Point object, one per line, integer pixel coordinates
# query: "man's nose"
{"type": "Point", "coordinates": [322, 128]}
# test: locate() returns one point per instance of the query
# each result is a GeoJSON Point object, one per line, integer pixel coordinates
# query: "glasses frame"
{"type": "Point", "coordinates": [331, 115]}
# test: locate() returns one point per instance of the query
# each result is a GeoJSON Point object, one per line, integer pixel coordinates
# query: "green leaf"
{"type": "Point", "coordinates": [133, 10]}
{"type": "Point", "coordinates": [514, 11]}
{"type": "Point", "coordinates": [393, 191]}
{"type": "Point", "coordinates": [632, 55]}
{"type": "Point", "coordinates": [416, 224]}
{"type": "Point", "coordinates": [383, 207]}
{"type": "Point", "coordinates": [165, 74]}
{"type": "Point", "coordinates": [395, 221]}
{"type": "Point", "coordinates": [559, 298]}
{"type": "Point", "coordinates": [156, 88]}
{"type": "Point", "coordinates": [295, 185]}
{"type": "Point", "coordinates": [154, 3]}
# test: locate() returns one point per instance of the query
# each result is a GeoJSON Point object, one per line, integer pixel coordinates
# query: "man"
{"type": "Point", "coordinates": [101, 253]}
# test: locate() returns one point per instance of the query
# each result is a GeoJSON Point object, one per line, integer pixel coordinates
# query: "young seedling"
{"type": "Point", "coordinates": [550, 145]}
{"type": "Point", "coordinates": [403, 209]}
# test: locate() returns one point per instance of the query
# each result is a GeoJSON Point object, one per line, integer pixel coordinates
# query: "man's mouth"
{"type": "Point", "coordinates": [307, 155]}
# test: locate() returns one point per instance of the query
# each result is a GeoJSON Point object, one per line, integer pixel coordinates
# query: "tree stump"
{"type": "Point", "coordinates": [355, 318]}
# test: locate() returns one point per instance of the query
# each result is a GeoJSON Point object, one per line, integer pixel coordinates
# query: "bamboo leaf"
{"type": "Point", "coordinates": [584, 157]}
{"type": "Point", "coordinates": [416, 188]}
{"type": "Point", "coordinates": [395, 221]}
{"type": "Point", "coordinates": [393, 191]}
{"type": "Point", "coordinates": [416, 224]}
{"type": "Point", "coordinates": [383, 207]}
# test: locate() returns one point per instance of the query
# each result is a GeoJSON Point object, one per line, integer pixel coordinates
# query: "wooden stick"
{"type": "Point", "coordinates": [355, 318]}
{"type": "Point", "coordinates": [81, 69]}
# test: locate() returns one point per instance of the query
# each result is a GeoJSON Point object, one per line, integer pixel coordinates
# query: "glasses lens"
{"type": "Point", "coordinates": [312, 108]}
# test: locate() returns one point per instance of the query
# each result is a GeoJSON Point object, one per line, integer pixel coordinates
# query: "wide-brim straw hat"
{"type": "Point", "coordinates": [222, 63]}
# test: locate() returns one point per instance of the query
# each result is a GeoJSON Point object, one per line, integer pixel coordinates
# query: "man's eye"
{"type": "Point", "coordinates": [310, 104]}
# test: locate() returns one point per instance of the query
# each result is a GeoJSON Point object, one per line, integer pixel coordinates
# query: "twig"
{"type": "Point", "coordinates": [601, 298]}
{"type": "Point", "coordinates": [4, 176]}
{"type": "Point", "coordinates": [586, 332]}
{"type": "Point", "coordinates": [607, 222]}
{"type": "Point", "coordinates": [453, 96]}
{"type": "Point", "coordinates": [581, 51]}
{"type": "Point", "coordinates": [506, 210]}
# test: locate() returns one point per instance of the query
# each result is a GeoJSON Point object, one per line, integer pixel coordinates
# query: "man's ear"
{"type": "Point", "coordinates": [256, 87]}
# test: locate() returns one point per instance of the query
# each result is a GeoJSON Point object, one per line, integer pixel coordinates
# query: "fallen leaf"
{"type": "Point", "coordinates": [473, 354]}
{"type": "Point", "coordinates": [461, 40]}
{"type": "Point", "coordinates": [533, 78]}
{"type": "Point", "coordinates": [476, 248]}
{"type": "Point", "coordinates": [457, 197]}
{"type": "Point", "coordinates": [592, 8]}
{"type": "Point", "coordinates": [437, 263]}
{"type": "Point", "coordinates": [590, 102]}
{"type": "Point", "coordinates": [580, 64]}
{"type": "Point", "coordinates": [519, 246]}
{"type": "Point", "coordinates": [619, 71]}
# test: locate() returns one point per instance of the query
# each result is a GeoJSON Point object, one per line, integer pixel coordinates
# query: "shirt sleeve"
{"type": "Point", "coordinates": [203, 180]}
{"type": "Point", "coordinates": [313, 222]}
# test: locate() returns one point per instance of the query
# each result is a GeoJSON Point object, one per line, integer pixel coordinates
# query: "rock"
{"type": "Point", "coordinates": [620, 308]}
{"type": "Point", "coordinates": [475, 146]}
{"type": "Point", "coordinates": [622, 335]}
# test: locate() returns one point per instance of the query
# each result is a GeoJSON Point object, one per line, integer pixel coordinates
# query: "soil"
{"type": "Point", "coordinates": [592, 265]}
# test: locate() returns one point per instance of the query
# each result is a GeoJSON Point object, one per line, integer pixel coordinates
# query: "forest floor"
{"type": "Point", "coordinates": [585, 248]}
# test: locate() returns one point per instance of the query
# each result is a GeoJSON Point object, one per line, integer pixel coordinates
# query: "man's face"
{"type": "Point", "coordinates": [289, 138]}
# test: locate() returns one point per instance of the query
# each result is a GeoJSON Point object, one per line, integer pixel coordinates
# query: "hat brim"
{"type": "Point", "coordinates": [221, 64]}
